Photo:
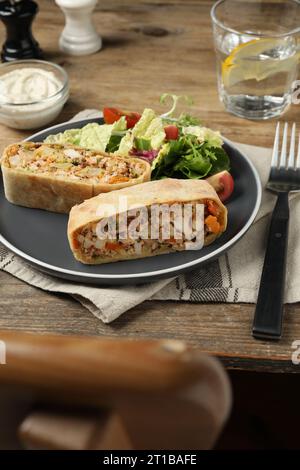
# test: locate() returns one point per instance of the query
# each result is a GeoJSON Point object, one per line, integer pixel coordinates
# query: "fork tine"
{"type": "Point", "coordinates": [291, 161]}
{"type": "Point", "coordinates": [274, 162]}
{"type": "Point", "coordinates": [298, 156]}
{"type": "Point", "coordinates": [282, 163]}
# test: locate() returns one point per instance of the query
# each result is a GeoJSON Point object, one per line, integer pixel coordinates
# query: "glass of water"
{"type": "Point", "coordinates": [258, 52]}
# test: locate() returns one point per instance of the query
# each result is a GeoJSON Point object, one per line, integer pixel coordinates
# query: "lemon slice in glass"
{"type": "Point", "coordinates": [243, 63]}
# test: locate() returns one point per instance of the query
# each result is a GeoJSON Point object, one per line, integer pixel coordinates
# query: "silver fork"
{"type": "Point", "coordinates": [284, 177]}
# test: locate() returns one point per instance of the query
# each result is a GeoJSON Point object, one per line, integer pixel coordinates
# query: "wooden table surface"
{"type": "Point", "coordinates": [150, 47]}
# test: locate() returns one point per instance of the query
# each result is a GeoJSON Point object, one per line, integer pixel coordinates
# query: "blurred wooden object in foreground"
{"type": "Point", "coordinates": [88, 393]}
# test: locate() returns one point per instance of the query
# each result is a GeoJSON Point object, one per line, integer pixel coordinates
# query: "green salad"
{"type": "Point", "coordinates": [176, 147]}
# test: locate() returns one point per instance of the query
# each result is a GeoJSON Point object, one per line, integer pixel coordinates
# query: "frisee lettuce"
{"type": "Point", "coordinates": [189, 158]}
{"type": "Point", "coordinates": [213, 138]}
{"type": "Point", "coordinates": [183, 120]}
{"type": "Point", "coordinates": [175, 100]}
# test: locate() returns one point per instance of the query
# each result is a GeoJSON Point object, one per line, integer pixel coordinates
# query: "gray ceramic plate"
{"type": "Point", "coordinates": [40, 237]}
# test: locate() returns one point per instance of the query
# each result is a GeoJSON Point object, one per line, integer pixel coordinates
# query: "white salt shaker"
{"type": "Point", "coordinates": [79, 36]}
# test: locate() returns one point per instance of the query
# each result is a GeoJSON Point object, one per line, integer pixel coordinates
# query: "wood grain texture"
{"type": "Point", "coordinates": [150, 48]}
{"type": "Point", "coordinates": [166, 395]}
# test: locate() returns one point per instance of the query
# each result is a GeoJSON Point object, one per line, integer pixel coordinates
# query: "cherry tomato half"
{"type": "Point", "coordinates": [223, 184]}
{"type": "Point", "coordinates": [112, 115]}
{"type": "Point", "coordinates": [172, 132]}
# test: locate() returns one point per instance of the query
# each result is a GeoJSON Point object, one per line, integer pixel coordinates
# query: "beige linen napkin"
{"type": "Point", "coordinates": [234, 277]}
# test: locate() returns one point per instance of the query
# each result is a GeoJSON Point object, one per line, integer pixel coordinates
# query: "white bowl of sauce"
{"type": "Point", "coordinates": [32, 93]}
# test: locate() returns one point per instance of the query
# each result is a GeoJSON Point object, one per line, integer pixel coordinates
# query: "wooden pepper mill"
{"type": "Point", "coordinates": [17, 16]}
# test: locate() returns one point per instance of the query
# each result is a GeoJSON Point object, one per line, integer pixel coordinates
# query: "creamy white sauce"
{"type": "Point", "coordinates": [30, 98]}
{"type": "Point", "coordinates": [28, 85]}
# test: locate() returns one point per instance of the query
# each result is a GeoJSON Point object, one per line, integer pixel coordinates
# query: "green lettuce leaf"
{"type": "Point", "coordinates": [149, 127]}
{"type": "Point", "coordinates": [213, 138]}
{"type": "Point", "coordinates": [92, 136]}
{"type": "Point", "coordinates": [126, 144]}
{"type": "Point", "coordinates": [71, 136]}
{"type": "Point", "coordinates": [97, 137]}
{"type": "Point", "coordinates": [188, 158]}
{"type": "Point", "coordinates": [220, 162]}
{"type": "Point", "coordinates": [194, 165]}
{"type": "Point", "coordinates": [142, 125]}
{"type": "Point", "coordinates": [155, 133]}
{"type": "Point", "coordinates": [142, 144]}
{"type": "Point", "coordinates": [113, 144]}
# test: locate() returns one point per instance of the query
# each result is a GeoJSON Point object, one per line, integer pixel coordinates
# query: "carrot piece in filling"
{"type": "Point", "coordinates": [212, 208]}
{"type": "Point", "coordinates": [118, 179]}
{"type": "Point", "coordinates": [171, 240]}
{"type": "Point", "coordinates": [212, 224]}
{"type": "Point", "coordinates": [75, 243]}
{"type": "Point", "coordinates": [112, 246]}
